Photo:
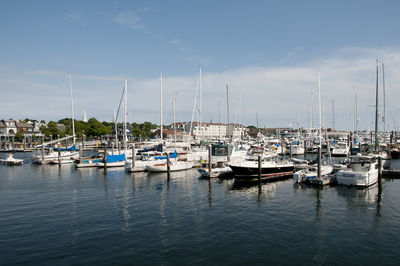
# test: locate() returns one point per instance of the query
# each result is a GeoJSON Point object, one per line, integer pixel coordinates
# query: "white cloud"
{"type": "Point", "coordinates": [292, 53]}
{"type": "Point", "coordinates": [174, 41]}
{"type": "Point", "coordinates": [263, 89]}
{"type": "Point", "coordinates": [73, 17]}
{"type": "Point", "coordinates": [132, 18]}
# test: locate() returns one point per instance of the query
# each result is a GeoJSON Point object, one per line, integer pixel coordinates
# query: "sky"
{"type": "Point", "coordinates": [269, 53]}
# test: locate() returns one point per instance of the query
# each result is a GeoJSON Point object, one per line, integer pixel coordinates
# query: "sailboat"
{"type": "Point", "coordinates": [118, 160]}
{"type": "Point", "coordinates": [47, 154]}
{"type": "Point", "coordinates": [363, 170]}
{"type": "Point", "coordinates": [316, 175]}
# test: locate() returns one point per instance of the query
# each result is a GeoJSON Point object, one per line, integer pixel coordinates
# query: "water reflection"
{"type": "Point", "coordinates": [361, 198]}
{"type": "Point", "coordinates": [74, 214]}
{"type": "Point", "coordinates": [126, 204]}
{"type": "Point", "coordinates": [264, 189]}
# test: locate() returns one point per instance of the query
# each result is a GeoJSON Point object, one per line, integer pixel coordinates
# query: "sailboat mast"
{"type": "Point", "coordinates": [384, 103]}
{"type": "Point", "coordinates": [161, 109]}
{"type": "Point", "coordinates": [72, 109]}
{"type": "Point", "coordinates": [333, 114]}
{"type": "Point", "coordinates": [376, 109]}
{"type": "Point", "coordinates": [200, 105]}
{"type": "Point", "coordinates": [174, 105]}
{"type": "Point", "coordinates": [125, 113]}
{"type": "Point", "coordinates": [320, 111]}
{"type": "Point", "coordinates": [227, 110]}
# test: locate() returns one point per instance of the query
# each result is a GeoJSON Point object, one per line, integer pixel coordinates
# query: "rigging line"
{"type": "Point", "coordinates": [119, 106]}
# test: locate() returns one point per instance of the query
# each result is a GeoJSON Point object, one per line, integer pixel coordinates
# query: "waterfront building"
{"type": "Point", "coordinates": [10, 127]}
{"type": "Point", "coordinates": [215, 130]}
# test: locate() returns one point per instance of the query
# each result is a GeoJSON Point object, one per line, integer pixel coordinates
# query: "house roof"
{"type": "Point", "coordinates": [23, 125]}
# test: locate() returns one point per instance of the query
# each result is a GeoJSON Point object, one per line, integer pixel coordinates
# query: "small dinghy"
{"type": "Point", "coordinates": [10, 160]}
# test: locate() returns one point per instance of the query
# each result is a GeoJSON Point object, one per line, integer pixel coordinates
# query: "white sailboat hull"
{"type": "Point", "coordinates": [174, 166]}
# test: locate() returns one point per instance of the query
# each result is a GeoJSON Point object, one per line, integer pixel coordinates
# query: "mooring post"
{"type": "Point", "coordinates": [59, 155]}
{"type": "Point", "coordinates": [228, 158]}
{"type": "Point", "coordinates": [105, 157]}
{"type": "Point", "coordinates": [290, 150]}
{"type": "Point", "coordinates": [319, 163]}
{"type": "Point", "coordinates": [133, 156]}
{"type": "Point", "coordinates": [80, 153]}
{"type": "Point", "coordinates": [305, 148]}
{"type": "Point", "coordinates": [259, 167]}
{"type": "Point", "coordinates": [12, 142]}
{"type": "Point", "coordinates": [42, 152]}
{"type": "Point", "coordinates": [168, 167]}
{"type": "Point", "coordinates": [379, 168]}
{"type": "Point", "coordinates": [210, 161]}
{"type": "Point", "coordinates": [83, 141]}
{"type": "Point", "coordinates": [112, 148]}
{"type": "Point", "coordinates": [119, 147]}
{"type": "Point", "coordinates": [24, 143]}
{"type": "Point", "coordinates": [282, 149]}
{"type": "Point", "coordinates": [351, 143]}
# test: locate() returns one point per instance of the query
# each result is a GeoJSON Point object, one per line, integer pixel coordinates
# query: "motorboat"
{"type": "Point", "coordinates": [10, 160]}
{"type": "Point", "coordinates": [362, 171]}
{"type": "Point", "coordinates": [310, 174]}
{"type": "Point", "coordinates": [272, 168]}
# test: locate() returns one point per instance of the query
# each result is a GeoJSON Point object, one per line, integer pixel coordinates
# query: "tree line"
{"type": "Point", "coordinates": [94, 128]}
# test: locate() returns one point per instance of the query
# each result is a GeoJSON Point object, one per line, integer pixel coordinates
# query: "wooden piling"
{"type": "Point", "coordinates": [379, 168]}
{"type": "Point", "coordinates": [228, 158]}
{"type": "Point", "coordinates": [105, 157]}
{"type": "Point", "coordinates": [42, 152]}
{"type": "Point", "coordinates": [168, 167]}
{"type": "Point", "coordinates": [112, 148]}
{"type": "Point", "coordinates": [209, 161]}
{"type": "Point", "coordinates": [259, 168]}
{"type": "Point", "coordinates": [59, 155]}
{"type": "Point", "coordinates": [319, 163]}
{"type": "Point", "coordinates": [359, 147]}
{"type": "Point", "coordinates": [351, 143]}
{"type": "Point", "coordinates": [133, 156]}
{"type": "Point", "coordinates": [24, 143]}
{"type": "Point", "coordinates": [290, 150]}
{"type": "Point", "coordinates": [80, 153]}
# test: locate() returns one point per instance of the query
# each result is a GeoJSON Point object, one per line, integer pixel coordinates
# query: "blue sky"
{"type": "Point", "coordinates": [269, 52]}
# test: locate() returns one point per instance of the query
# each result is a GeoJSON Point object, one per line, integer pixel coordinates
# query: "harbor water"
{"type": "Point", "coordinates": [52, 215]}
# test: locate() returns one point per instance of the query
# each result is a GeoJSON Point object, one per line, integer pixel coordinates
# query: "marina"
{"type": "Point", "coordinates": [199, 133]}
{"type": "Point", "coordinates": [70, 216]}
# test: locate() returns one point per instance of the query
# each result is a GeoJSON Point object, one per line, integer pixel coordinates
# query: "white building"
{"type": "Point", "coordinates": [216, 130]}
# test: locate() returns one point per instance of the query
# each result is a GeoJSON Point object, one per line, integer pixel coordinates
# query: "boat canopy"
{"type": "Point", "coordinates": [165, 157]}
{"type": "Point", "coordinates": [72, 148]}
{"type": "Point", "coordinates": [115, 158]}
